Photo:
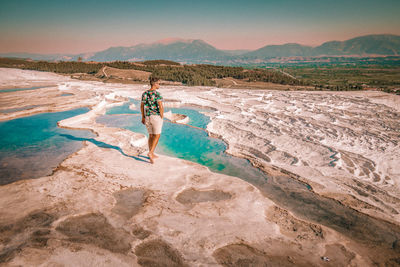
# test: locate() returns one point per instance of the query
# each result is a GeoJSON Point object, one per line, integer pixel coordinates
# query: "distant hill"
{"type": "Point", "coordinates": [179, 50]}
{"type": "Point", "coordinates": [198, 51]}
{"type": "Point", "coordinates": [286, 50]}
{"type": "Point", "coordinates": [236, 52]}
{"type": "Point", "coordinates": [382, 44]}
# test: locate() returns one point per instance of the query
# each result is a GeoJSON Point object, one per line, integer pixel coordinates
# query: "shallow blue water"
{"type": "Point", "coordinates": [183, 141]}
{"type": "Point", "coordinates": [196, 119]}
{"type": "Point", "coordinates": [32, 146]}
{"type": "Point", "coordinates": [20, 89]}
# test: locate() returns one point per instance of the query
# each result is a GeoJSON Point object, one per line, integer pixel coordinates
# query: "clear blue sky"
{"type": "Point", "coordinates": [55, 26]}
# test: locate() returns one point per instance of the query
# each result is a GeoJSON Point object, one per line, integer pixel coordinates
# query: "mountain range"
{"type": "Point", "coordinates": [198, 51]}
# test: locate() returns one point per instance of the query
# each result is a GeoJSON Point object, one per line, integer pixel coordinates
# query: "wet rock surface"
{"type": "Point", "coordinates": [94, 229]}
{"type": "Point", "coordinates": [31, 231]}
{"type": "Point", "coordinates": [292, 226]}
{"type": "Point", "coordinates": [307, 205]}
{"type": "Point", "coordinates": [246, 255]}
{"type": "Point", "coordinates": [129, 201]}
{"type": "Point", "coordinates": [140, 233]}
{"type": "Point", "coordinates": [191, 196]}
{"type": "Point", "coordinates": [158, 253]}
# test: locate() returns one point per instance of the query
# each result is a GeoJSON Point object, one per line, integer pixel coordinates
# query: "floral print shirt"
{"type": "Point", "coordinates": [150, 98]}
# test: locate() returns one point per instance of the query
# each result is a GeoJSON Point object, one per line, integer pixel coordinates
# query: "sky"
{"type": "Point", "coordinates": [78, 26]}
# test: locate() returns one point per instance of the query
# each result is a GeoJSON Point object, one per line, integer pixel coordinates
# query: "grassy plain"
{"type": "Point", "coordinates": [371, 77]}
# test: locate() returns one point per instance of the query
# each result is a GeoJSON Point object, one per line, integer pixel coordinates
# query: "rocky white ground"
{"type": "Point", "coordinates": [107, 207]}
{"type": "Point", "coordinates": [345, 145]}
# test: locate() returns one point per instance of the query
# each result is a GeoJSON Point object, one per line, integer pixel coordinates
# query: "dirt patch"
{"type": "Point", "coordinates": [129, 201]}
{"type": "Point", "coordinates": [133, 75]}
{"type": "Point", "coordinates": [393, 262]}
{"type": "Point", "coordinates": [338, 255]}
{"type": "Point", "coordinates": [376, 191]}
{"type": "Point", "coordinates": [190, 196]}
{"type": "Point", "coordinates": [158, 253]}
{"type": "Point", "coordinates": [351, 201]}
{"type": "Point", "coordinates": [94, 229]}
{"type": "Point", "coordinates": [245, 255]}
{"type": "Point", "coordinates": [30, 231]}
{"type": "Point", "coordinates": [140, 233]}
{"type": "Point", "coordinates": [293, 227]}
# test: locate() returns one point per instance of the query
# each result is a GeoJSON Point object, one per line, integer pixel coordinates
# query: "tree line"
{"type": "Point", "coordinates": [199, 74]}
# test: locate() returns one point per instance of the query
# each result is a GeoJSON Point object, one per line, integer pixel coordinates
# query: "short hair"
{"type": "Point", "coordinates": [153, 80]}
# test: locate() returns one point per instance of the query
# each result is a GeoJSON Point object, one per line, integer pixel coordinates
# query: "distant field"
{"type": "Point", "coordinates": [243, 84]}
{"type": "Point", "coordinates": [342, 73]}
{"type": "Point", "coordinates": [369, 77]}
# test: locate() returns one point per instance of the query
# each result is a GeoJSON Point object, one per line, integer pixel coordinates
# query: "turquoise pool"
{"type": "Point", "coordinates": [32, 146]}
{"type": "Point", "coordinates": [183, 141]}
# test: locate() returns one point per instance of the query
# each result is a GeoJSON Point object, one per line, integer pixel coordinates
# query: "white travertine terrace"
{"type": "Point", "coordinates": [176, 118]}
{"type": "Point", "coordinates": [130, 143]}
{"type": "Point", "coordinates": [341, 143]}
{"type": "Point", "coordinates": [103, 206]}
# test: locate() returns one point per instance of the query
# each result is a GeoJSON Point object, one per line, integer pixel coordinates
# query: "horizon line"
{"type": "Point", "coordinates": [193, 39]}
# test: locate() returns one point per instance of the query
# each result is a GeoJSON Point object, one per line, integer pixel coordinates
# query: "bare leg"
{"type": "Point", "coordinates": [156, 139]}
{"type": "Point", "coordinates": [151, 136]}
{"type": "Point", "coordinates": [150, 142]}
{"type": "Point", "coordinates": [153, 145]}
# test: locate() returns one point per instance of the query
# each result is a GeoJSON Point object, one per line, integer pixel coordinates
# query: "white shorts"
{"type": "Point", "coordinates": [154, 124]}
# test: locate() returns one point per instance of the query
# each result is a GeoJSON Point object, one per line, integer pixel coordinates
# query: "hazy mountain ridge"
{"type": "Point", "coordinates": [180, 50]}
{"type": "Point", "coordinates": [198, 51]}
{"type": "Point", "coordinates": [286, 50]}
{"type": "Point", "coordinates": [382, 44]}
